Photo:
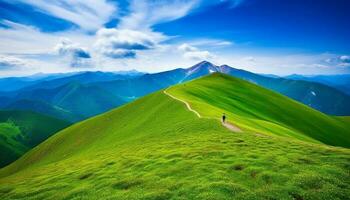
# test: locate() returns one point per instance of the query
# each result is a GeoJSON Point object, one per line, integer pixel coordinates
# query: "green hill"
{"type": "Point", "coordinates": [260, 110]}
{"type": "Point", "coordinates": [345, 119]}
{"type": "Point", "coordinates": [154, 148]}
{"type": "Point", "coordinates": [10, 146]}
{"type": "Point", "coordinates": [23, 130]}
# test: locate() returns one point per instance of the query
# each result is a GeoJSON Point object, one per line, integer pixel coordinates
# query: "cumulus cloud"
{"type": "Point", "coordinates": [67, 47]}
{"type": "Point", "coordinates": [134, 32]}
{"type": "Point", "coordinates": [133, 37]}
{"type": "Point", "coordinates": [345, 59]}
{"type": "Point", "coordinates": [198, 55]}
{"type": "Point", "coordinates": [342, 61]}
{"type": "Point", "coordinates": [78, 55]}
{"type": "Point", "coordinates": [186, 48]}
{"type": "Point", "coordinates": [11, 63]}
{"type": "Point", "coordinates": [191, 52]}
{"type": "Point", "coordinates": [124, 43]}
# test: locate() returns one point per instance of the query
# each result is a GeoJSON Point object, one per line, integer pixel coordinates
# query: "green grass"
{"type": "Point", "coordinates": [345, 119]}
{"type": "Point", "coordinates": [154, 148]}
{"type": "Point", "coordinates": [22, 130]}
{"type": "Point", "coordinates": [260, 110]}
{"type": "Point", "coordinates": [11, 147]}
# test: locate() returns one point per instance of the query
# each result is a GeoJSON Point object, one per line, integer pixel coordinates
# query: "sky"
{"type": "Point", "coordinates": [264, 36]}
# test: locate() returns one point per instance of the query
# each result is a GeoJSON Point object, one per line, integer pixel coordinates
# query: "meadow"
{"type": "Point", "coordinates": [155, 148]}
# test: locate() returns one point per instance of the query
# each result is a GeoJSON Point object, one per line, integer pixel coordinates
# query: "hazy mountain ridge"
{"type": "Point", "coordinates": [340, 82]}
{"type": "Point", "coordinates": [102, 91]}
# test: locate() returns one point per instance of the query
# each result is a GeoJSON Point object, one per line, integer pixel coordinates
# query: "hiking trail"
{"type": "Point", "coordinates": [228, 125]}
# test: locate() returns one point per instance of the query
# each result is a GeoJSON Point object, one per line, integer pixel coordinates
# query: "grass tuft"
{"type": "Point", "coordinates": [126, 184]}
{"type": "Point", "coordinates": [238, 167]}
{"type": "Point", "coordinates": [85, 176]}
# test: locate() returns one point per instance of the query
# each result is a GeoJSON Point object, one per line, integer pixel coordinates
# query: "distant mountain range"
{"type": "Point", "coordinates": [316, 95]}
{"type": "Point", "coordinates": [77, 96]}
{"type": "Point", "coordinates": [54, 80]}
{"type": "Point", "coordinates": [73, 97]}
{"type": "Point", "coordinates": [341, 82]}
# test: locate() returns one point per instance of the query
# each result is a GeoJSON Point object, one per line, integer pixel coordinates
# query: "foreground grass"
{"type": "Point", "coordinates": [154, 148]}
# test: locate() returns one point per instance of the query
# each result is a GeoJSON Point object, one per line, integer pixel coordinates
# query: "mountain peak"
{"type": "Point", "coordinates": [203, 66]}
{"type": "Point", "coordinates": [201, 69]}
{"type": "Point", "coordinates": [205, 63]}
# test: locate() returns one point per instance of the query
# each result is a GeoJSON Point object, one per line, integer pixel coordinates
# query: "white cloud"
{"type": "Point", "coordinates": [77, 55]}
{"type": "Point", "coordinates": [67, 47]}
{"type": "Point", "coordinates": [132, 37]}
{"type": "Point", "coordinates": [20, 38]}
{"type": "Point", "coordinates": [186, 47]}
{"type": "Point", "coordinates": [134, 33]}
{"type": "Point", "coordinates": [135, 38]}
{"type": "Point", "coordinates": [194, 45]}
{"type": "Point", "coordinates": [198, 55]}
{"type": "Point", "coordinates": [341, 61]}
{"type": "Point", "coordinates": [345, 59]}
{"type": "Point", "coordinates": [23, 39]}
{"type": "Point", "coordinates": [221, 43]}
{"type": "Point", "coordinates": [124, 43]}
{"type": "Point", "coordinates": [145, 13]}
{"type": "Point", "coordinates": [87, 14]}
{"type": "Point", "coordinates": [11, 63]}
{"type": "Point", "coordinates": [191, 52]}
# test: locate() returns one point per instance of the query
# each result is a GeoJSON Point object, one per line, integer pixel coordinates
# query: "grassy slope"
{"type": "Point", "coordinates": [10, 147]}
{"type": "Point", "coordinates": [259, 110]}
{"type": "Point", "coordinates": [22, 130]}
{"type": "Point", "coordinates": [345, 119]}
{"type": "Point", "coordinates": [154, 148]}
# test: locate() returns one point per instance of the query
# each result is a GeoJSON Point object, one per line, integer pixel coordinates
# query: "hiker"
{"type": "Point", "coordinates": [223, 118]}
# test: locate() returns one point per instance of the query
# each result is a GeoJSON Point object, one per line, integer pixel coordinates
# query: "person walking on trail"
{"type": "Point", "coordinates": [223, 118]}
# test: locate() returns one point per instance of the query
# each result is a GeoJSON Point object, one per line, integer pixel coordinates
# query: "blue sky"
{"type": "Point", "coordinates": [264, 36]}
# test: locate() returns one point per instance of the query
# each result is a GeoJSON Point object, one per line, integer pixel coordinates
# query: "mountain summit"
{"type": "Point", "coordinates": [313, 94]}
{"type": "Point", "coordinates": [201, 69]}
{"type": "Point", "coordinates": [203, 66]}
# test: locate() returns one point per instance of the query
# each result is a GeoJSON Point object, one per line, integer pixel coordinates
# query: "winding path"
{"type": "Point", "coordinates": [187, 104]}
{"type": "Point", "coordinates": [228, 125]}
